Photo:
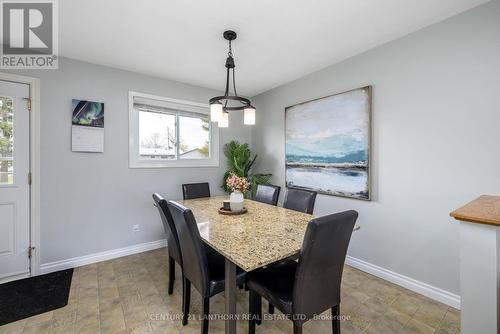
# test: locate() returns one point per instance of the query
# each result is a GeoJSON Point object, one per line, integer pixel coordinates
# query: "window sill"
{"type": "Point", "coordinates": [172, 164]}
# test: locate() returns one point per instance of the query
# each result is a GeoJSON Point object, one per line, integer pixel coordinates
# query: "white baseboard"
{"type": "Point", "coordinates": [101, 256]}
{"type": "Point", "coordinates": [409, 283]}
{"type": "Point", "coordinates": [422, 288]}
{"type": "Point", "coordinates": [13, 277]}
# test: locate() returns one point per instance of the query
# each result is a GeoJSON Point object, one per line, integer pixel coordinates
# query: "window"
{"type": "Point", "coordinates": [6, 141]}
{"type": "Point", "coordinates": [167, 132]}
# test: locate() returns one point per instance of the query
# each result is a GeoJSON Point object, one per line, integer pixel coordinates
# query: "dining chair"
{"type": "Point", "coordinates": [195, 190]}
{"type": "Point", "coordinates": [204, 270]}
{"type": "Point", "coordinates": [174, 252]}
{"type": "Point", "coordinates": [268, 194]}
{"type": "Point", "coordinates": [310, 286]}
{"type": "Point", "coordinates": [300, 200]}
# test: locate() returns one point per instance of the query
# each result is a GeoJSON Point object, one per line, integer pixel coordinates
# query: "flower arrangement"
{"type": "Point", "coordinates": [237, 183]}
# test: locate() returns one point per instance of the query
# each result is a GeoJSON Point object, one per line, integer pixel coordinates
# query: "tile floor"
{"type": "Point", "coordinates": [129, 295]}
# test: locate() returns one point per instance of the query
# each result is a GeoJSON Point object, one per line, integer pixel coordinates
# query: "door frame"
{"type": "Point", "coordinates": [34, 84]}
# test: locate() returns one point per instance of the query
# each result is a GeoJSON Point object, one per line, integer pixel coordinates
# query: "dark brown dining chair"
{"type": "Point", "coordinates": [300, 200]}
{"type": "Point", "coordinates": [202, 269]}
{"type": "Point", "coordinates": [173, 246]}
{"type": "Point", "coordinates": [268, 194]}
{"type": "Point", "coordinates": [174, 252]}
{"type": "Point", "coordinates": [195, 190]}
{"type": "Point", "coordinates": [310, 286]}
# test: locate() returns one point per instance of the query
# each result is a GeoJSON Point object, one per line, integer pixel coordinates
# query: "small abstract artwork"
{"type": "Point", "coordinates": [87, 113]}
{"type": "Point", "coordinates": [327, 144]}
{"type": "Point", "coordinates": [87, 131]}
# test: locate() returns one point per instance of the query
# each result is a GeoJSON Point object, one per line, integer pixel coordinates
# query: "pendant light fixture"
{"type": "Point", "coordinates": [220, 106]}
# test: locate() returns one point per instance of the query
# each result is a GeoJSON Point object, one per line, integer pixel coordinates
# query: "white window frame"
{"type": "Point", "coordinates": [176, 104]}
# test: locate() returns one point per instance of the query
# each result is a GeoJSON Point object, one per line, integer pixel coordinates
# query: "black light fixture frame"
{"type": "Point", "coordinates": [230, 35]}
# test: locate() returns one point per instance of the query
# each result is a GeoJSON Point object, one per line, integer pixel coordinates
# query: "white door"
{"type": "Point", "coordinates": [14, 187]}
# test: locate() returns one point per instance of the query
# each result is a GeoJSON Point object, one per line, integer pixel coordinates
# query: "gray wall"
{"type": "Point", "coordinates": [435, 139]}
{"type": "Point", "coordinates": [89, 201]}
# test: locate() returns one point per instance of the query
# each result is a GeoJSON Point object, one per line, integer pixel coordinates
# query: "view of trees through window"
{"type": "Point", "coordinates": [159, 138]}
{"type": "Point", "coordinates": [6, 140]}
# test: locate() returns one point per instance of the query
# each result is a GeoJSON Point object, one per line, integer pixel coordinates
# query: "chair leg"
{"type": "Point", "coordinates": [206, 315]}
{"type": "Point", "coordinates": [186, 300]}
{"type": "Point", "coordinates": [335, 319]}
{"type": "Point", "coordinates": [297, 329]}
{"type": "Point", "coordinates": [258, 309]}
{"type": "Point", "coordinates": [171, 274]}
{"type": "Point", "coordinates": [271, 308]}
{"type": "Point", "coordinates": [255, 308]}
{"type": "Point", "coordinates": [251, 309]}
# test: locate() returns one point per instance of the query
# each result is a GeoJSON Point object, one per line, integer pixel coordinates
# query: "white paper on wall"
{"type": "Point", "coordinates": [87, 139]}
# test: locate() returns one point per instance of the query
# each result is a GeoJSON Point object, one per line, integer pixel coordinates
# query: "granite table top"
{"type": "Point", "coordinates": [263, 235]}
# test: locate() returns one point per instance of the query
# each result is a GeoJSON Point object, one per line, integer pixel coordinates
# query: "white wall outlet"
{"type": "Point", "coordinates": [136, 228]}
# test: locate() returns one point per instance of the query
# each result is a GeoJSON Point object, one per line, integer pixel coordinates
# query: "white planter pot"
{"type": "Point", "coordinates": [236, 201]}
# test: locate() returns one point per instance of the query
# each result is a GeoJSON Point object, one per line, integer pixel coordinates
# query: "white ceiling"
{"type": "Point", "coordinates": [278, 40]}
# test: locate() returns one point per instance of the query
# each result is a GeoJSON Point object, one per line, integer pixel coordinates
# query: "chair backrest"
{"type": "Point", "coordinates": [194, 256]}
{"type": "Point", "coordinates": [300, 200]}
{"type": "Point", "coordinates": [195, 190]}
{"type": "Point", "coordinates": [321, 262]}
{"type": "Point", "coordinates": [169, 227]}
{"type": "Point", "coordinates": [268, 194]}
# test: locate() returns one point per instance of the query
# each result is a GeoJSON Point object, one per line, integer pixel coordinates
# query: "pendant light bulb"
{"type": "Point", "coordinates": [224, 121]}
{"type": "Point", "coordinates": [249, 115]}
{"type": "Point", "coordinates": [215, 112]}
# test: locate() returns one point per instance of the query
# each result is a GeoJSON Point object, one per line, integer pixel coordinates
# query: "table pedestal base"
{"type": "Point", "coordinates": [230, 294]}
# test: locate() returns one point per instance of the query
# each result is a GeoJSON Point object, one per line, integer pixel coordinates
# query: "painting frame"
{"type": "Point", "coordinates": [369, 92]}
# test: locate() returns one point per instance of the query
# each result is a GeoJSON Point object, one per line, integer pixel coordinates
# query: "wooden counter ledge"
{"type": "Point", "coordinates": [483, 210]}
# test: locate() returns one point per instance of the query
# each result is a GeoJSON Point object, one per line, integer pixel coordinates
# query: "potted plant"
{"type": "Point", "coordinates": [238, 185]}
{"type": "Point", "coordinates": [240, 162]}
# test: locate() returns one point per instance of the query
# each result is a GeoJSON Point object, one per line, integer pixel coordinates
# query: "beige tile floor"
{"type": "Point", "coordinates": [129, 295]}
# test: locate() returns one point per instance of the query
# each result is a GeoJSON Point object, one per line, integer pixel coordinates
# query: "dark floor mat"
{"type": "Point", "coordinates": [31, 296]}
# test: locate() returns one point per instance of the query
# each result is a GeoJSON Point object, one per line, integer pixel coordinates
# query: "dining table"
{"type": "Point", "coordinates": [265, 234]}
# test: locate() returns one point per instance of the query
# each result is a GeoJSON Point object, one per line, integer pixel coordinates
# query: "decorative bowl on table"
{"type": "Point", "coordinates": [223, 211]}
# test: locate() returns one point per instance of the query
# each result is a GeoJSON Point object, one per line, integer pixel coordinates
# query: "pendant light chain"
{"type": "Point", "coordinates": [230, 54]}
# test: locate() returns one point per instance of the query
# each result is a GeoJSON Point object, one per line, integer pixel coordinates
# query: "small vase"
{"type": "Point", "coordinates": [236, 201]}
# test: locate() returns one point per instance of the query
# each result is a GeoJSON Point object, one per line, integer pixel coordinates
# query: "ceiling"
{"type": "Point", "coordinates": [278, 40]}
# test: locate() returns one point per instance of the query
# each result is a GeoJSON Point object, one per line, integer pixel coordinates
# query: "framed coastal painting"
{"type": "Point", "coordinates": [327, 144]}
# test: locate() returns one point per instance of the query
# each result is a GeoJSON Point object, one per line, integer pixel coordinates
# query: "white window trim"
{"type": "Point", "coordinates": [182, 105]}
